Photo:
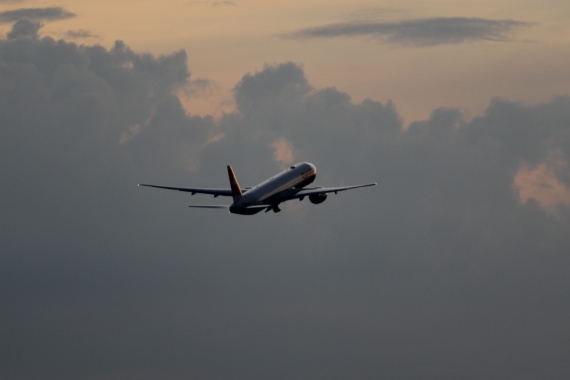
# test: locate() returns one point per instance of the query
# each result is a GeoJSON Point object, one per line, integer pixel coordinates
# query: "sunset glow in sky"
{"type": "Point", "coordinates": [225, 39]}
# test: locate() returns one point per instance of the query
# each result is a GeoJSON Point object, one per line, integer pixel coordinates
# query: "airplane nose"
{"type": "Point", "coordinates": [313, 167]}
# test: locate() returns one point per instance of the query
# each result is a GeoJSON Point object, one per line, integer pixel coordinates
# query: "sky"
{"type": "Point", "coordinates": [455, 266]}
{"type": "Point", "coordinates": [525, 61]}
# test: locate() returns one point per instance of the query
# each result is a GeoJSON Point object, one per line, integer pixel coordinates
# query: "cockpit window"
{"type": "Point", "coordinates": [292, 167]}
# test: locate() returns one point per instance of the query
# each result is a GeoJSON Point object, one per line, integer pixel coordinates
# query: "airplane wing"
{"type": "Point", "coordinates": [210, 206]}
{"type": "Point", "coordinates": [301, 193]}
{"type": "Point", "coordinates": [195, 190]}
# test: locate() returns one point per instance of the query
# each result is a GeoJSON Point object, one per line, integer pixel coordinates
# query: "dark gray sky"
{"type": "Point", "coordinates": [439, 272]}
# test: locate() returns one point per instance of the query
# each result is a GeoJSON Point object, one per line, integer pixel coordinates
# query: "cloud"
{"type": "Point", "coordinates": [223, 3]}
{"type": "Point", "coordinates": [441, 263]}
{"type": "Point", "coordinates": [198, 87]}
{"type": "Point", "coordinates": [420, 32]}
{"type": "Point", "coordinates": [541, 183]}
{"type": "Point", "coordinates": [215, 3]}
{"type": "Point", "coordinates": [80, 33]}
{"type": "Point", "coordinates": [283, 151]}
{"type": "Point", "coordinates": [24, 29]}
{"type": "Point", "coordinates": [37, 14]}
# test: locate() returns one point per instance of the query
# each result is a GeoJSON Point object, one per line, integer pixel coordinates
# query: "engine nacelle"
{"type": "Point", "coordinates": [316, 199]}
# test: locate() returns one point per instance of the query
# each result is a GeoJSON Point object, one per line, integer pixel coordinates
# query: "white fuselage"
{"type": "Point", "coordinates": [292, 177]}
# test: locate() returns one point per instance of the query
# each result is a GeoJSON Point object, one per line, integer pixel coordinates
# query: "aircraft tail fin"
{"type": "Point", "coordinates": [236, 190]}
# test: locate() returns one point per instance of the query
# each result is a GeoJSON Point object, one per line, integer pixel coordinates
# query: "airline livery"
{"type": "Point", "coordinates": [285, 186]}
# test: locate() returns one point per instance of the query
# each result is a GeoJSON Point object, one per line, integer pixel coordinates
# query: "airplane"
{"type": "Point", "coordinates": [287, 185]}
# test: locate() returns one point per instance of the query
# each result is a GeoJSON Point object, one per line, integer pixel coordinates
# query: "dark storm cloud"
{"type": "Point", "coordinates": [438, 272]}
{"type": "Point", "coordinates": [43, 14]}
{"type": "Point", "coordinates": [421, 32]}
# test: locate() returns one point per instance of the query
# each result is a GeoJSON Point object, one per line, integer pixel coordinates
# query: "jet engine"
{"type": "Point", "coordinates": [316, 199]}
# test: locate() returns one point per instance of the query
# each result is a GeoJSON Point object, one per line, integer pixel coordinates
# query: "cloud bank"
{"type": "Point", "coordinates": [421, 32]}
{"type": "Point", "coordinates": [441, 271]}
